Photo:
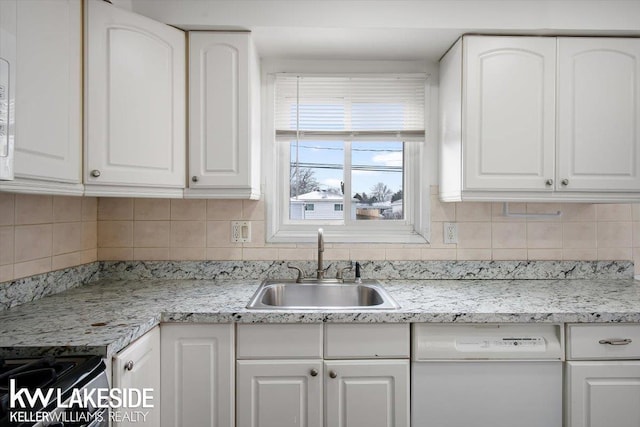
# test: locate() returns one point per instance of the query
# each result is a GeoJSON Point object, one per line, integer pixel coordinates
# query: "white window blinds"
{"type": "Point", "coordinates": [372, 107]}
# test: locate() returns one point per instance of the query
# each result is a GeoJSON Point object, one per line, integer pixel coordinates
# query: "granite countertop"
{"type": "Point", "coordinates": [104, 317]}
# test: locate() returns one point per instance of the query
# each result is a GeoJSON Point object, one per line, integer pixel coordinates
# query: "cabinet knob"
{"type": "Point", "coordinates": [549, 182]}
{"type": "Point", "coordinates": [314, 372]}
{"type": "Point", "coordinates": [565, 182]}
{"type": "Point", "coordinates": [129, 365]}
{"type": "Point", "coordinates": [194, 178]}
{"type": "Point", "coordinates": [333, 374]}
{"type": "Point", "coordinates": [616, 341]}
{"type": "Point", "coordinates": [95, 173]}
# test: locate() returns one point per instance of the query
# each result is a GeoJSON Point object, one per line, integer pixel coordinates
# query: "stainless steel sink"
{"type": "Point", "coordinates": [288, 295]}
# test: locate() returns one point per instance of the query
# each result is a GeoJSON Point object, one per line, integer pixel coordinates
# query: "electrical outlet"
{"type": "Point", "coordinates": [240, 231]}
{"type": "Point", "coordinates": [450, 232]}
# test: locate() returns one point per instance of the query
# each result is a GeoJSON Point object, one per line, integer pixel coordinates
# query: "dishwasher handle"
{"type": "Point", "coordinates": [616, 341]}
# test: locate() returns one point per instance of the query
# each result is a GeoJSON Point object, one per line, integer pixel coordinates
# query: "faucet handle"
{"type": "Point", "coordinates": [300, 272]}
{"type": "Point", "coordinates": [340, 273]}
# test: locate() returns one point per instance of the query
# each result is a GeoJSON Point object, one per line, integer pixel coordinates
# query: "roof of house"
{"type": "Point", "coordinates": [319, 196]}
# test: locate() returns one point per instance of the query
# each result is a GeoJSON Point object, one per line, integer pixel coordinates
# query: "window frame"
{"type": "Point", "coordinates": [414, 228]}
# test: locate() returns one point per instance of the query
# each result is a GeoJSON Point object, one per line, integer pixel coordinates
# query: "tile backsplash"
{"type": "Point", "coordinates": [44, 233]}
{"type": "Point", "coordinates": [143, 229]}
{"type": "Point", "coordinates": [39, 234]}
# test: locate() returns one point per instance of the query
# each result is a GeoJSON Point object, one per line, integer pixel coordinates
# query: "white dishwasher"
{"type": "Point", "coordinates": [486, 375]}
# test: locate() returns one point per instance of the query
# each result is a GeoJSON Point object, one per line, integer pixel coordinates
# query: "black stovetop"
{"type": "Point", "coordinates": [44, 373]}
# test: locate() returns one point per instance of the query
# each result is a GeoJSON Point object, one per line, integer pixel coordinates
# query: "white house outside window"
{"type": "Point", "coordinates": [350, 146]}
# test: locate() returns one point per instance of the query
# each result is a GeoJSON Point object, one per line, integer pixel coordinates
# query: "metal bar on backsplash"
{"type": "Point", "coordinates": [508, 214]}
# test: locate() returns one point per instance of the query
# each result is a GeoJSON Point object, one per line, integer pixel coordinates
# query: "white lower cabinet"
{"type": "Point", "coordinates": [603, 394]}
{"type": "Point", "coordinates": [197, 375]}
{"type": "Point", "coordinates": [138, 367]}
{"type": "Point", "coordinates": [604, 391]}
{"type": "Point", "coordinates": [341, 375]}
{"type": "Point", "coordinates": [279, 393]}
{"type": "Point", "coordinates": [372, 393]}
{"type": "Point", "coordinates": [281, 389]}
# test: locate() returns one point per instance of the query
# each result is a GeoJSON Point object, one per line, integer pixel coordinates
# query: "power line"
{"type": "Point", "coordinates": [370, 168]}
{"type": "Point", "coordinates": [377, 150]}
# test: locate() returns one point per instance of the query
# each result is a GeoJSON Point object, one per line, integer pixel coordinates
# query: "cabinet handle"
{"type": "Point", "coordinates": [128, 366]}
{"type": "Point", "coordinates": [194, 178]}
{"type": "Point", "coordinates": [333, 374]}
{"type": "Point", "coordinates": [314, 372]}
{"type": "Point", "coordinates": [565, 181]}
{"type": "Point", "coordinates": [549, 182]}
{"type": "Point", "coordinates": [616, 341]}
{"type": "Point", "coordinates": [95, 173]}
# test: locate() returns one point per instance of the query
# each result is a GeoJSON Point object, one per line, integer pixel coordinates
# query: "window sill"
{"type": "Point", "coordinates": [340, 234]}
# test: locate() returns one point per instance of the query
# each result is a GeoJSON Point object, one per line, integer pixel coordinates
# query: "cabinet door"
{"type": "Point", "coordinates": [603, 394]}
{"type": "Point", "coordinates": [372, 393]}
{"type": "Point", "coordinates": [8, 31]}
{"type": "Point", "coordinates": [279, 393]}
{"type": "Point", "coordinates": [197, 375]}
{"type": "Point", "coordinates": [48, 101]}
{"type": "Point", "coordinates": [598, 114]}
{"type": "Point", "coordinates": [138, 367]}
{"type": "Point", "coordinates": [509, 113]}
{"type": "Point", "coordinates": [134, 100]}
{"type": "Point", "coordinates": [223, 128]}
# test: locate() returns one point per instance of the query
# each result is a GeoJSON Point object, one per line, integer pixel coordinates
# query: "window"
{"type": "Point", "coordinates": [309, 207]}
{"type": "Point", "coordinates": [351, 146]}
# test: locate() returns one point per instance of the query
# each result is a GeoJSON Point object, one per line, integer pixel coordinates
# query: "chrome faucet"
{"type": "Point", "coordinates": [320, 271]}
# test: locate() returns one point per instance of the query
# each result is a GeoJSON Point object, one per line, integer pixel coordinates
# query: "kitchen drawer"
{"type": "Point", "coordinates": [271, 341]}
{"type": "Point", "coordinates": [371, 340]}
{"type": "Point", "coordinates": [583, 341]}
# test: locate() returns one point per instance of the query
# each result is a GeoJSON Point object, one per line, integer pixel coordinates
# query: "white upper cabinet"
{"type": "Point", "coordinates": [509, 130]}
{"type": "Point", "coordinates": [48, 137]}
{"type": "Point", "coordinates": [134, 104]}
{"type": "Point", "coordinates": [224, 116]}
{"type": "Point", "coordinates": [505, 136]}
{"type": "Point", "coordinates": [598, 114]}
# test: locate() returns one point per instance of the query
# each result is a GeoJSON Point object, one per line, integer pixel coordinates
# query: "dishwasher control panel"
{"type": "Point", "coordinates": [500, 344]}
{"type": "Point", "coordinates": [432, 341]}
